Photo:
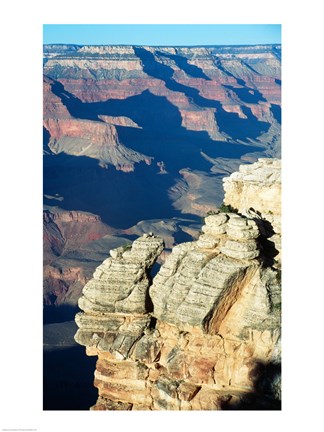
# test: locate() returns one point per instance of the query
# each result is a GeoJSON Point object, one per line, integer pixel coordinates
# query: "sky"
{"type": "Point", "coordinates": [162, 34]}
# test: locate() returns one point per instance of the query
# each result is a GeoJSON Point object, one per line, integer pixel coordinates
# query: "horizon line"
{"type": "Point", "coordinates": [164, 46]}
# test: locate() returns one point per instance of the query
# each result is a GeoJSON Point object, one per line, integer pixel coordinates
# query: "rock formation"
{"type": "Point", "coordinates": [205, 333]}
{"type": "Point", "coordinates": [116, 302]}
{"type": "Point", "coordinates": [255, 191]}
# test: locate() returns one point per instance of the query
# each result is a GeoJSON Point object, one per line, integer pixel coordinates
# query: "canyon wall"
{"type": "Point", "coordinates": [206, 86]}
{"type": "Point", "coordinates": [204, 334]}
{"type": "Point", "coordinates": [120, 118]}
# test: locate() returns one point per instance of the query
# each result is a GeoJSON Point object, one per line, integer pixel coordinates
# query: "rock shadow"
{"type": "Point", "coordinates": [182, 62]}
{"type": "Point", "coordinates": [182, 236]}
{"type": "Point", "coordinates": [246, 94]}
{"type": "Point", "coordinates": [59, 313]}
{"type": "Point", "coordinates": [220, 66]}
{"type": "Point", "coordinates": [230, 123]}
{"type": "Point", "coordinates": [266, 393]}
{"type": "Point", "coordinates": [46, 140]}
{"type": "Point", "coordinates": [68, 376]}
{"type": "Point", "coordinates": [276, 112]}
{"type": "Point", "coordinates": [75, 106]}
{"type": "Point", "coordinates": [122, 199]}
{"type": "Point", "coordinates": [269, 251]}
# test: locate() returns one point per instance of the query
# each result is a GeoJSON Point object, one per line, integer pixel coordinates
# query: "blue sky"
{"type": "Point", "coordinates": [162, 34]}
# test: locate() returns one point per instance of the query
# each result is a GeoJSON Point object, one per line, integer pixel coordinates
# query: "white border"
{"type": "Point", "coordinates": [21, 180]}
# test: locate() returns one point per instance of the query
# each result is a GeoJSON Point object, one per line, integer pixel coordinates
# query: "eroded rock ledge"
{"type": "Point", "coordinates": [255, 191]}
{"type": "Point", "coordinates": [203, 335]}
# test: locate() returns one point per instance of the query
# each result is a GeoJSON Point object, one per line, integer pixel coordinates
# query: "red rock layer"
{"type": "Point", "coordinates": [52, 104]}
{"type": "Point", "coordinates": [201, 121]}
{"type": "Point", "coordinates": [70, 229]}
{"type": "Point", "coordinates": [67, 231]}
{"type": "Point", "coordinates": [63, 285]}
{"type": "Point", "coordinates": [97, 132]}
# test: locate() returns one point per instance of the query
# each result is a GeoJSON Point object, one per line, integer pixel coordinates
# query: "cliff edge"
{"type": "Point", "coordinates": [204, 334]}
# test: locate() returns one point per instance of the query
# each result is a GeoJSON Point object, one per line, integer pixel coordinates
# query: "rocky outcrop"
{"type": "Point", "coordinates": [255, 191]}
{"type": "Point", "coordinates": [203, 335]}
{"type": "Point", "coordinates": [96, 140]}
{"type": "Point", "coordinates": [115, 302]}
{"type": "Point", "coordinates": [196, 275]}
{"type": "Point", "coordinates": [119, 121]}
{"type": "Point", "coordinates": [257, 185]}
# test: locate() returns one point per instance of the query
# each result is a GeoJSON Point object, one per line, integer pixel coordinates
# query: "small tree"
{"type": "Point", "coordinates": [227, 208]}
{"type": "Point", "coordinates": [127, 246]}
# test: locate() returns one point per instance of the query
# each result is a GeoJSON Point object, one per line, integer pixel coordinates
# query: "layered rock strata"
{"type": "Point", "coordinates": [205, 335]}
{"type": "Point", "coordinates": [244, 80]}
{"type": "Point", "coordinates": [115, 302]}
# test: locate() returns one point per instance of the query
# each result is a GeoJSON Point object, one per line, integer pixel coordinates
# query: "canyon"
{"type": "Point", "coordinates": [120, 118]}
{"type": "Point", "coordinates": [138, 140]}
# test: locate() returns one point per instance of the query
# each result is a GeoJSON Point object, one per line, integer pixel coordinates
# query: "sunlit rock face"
{"type": "Point", "coordinates": [204, 334]}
